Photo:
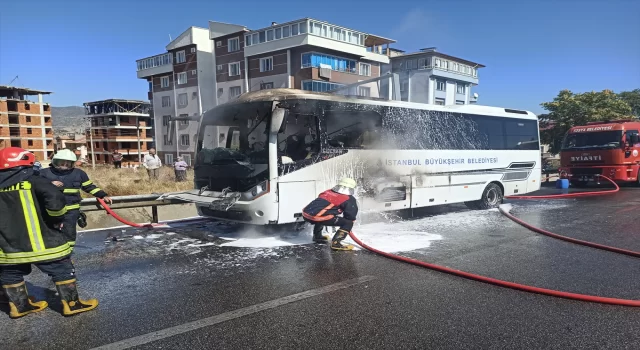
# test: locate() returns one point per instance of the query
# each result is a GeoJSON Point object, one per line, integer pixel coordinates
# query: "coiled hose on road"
{"type": "Point", "coordinates": [480, 278]}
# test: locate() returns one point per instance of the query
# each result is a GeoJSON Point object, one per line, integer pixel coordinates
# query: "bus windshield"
{"type": "Point", "coordinates": [591, 140]}
{"type": "Point", "coordinates": [233, 148]}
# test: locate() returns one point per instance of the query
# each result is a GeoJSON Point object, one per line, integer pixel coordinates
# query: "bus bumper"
{"type": "Point", "coordinates": [260, 211]}
{"type": "Point", "coordinates": [618, 173]}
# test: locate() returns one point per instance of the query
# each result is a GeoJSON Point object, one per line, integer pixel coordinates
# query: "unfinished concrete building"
{"type": "Point", "coordinates": [25, 123]}
{"type": "Point", "coordinates": [121, 125]}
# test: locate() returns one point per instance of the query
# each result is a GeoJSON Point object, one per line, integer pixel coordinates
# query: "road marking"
{"type": "Point", "coordinates": [231, 315]}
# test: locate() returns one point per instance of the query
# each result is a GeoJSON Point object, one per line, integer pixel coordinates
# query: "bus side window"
{"type": "Point", "coordinates": [353, 129]}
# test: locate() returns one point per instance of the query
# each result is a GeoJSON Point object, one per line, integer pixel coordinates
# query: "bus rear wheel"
{"type": "Point", "coordinates": [491, 198]}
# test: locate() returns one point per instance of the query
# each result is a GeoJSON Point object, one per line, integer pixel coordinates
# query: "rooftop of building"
{"type": "Point", "coordinates": [11, 91]}
{"type": "Point", "coordinates": [433, 52]}
{"type": "Point", "coordinates": [115, 100]}
{"type": "Point", "coordinates": [371, 39]}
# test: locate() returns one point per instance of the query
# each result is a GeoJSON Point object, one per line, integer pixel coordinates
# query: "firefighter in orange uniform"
{"type": "Point", "coordinates": [326, 209]}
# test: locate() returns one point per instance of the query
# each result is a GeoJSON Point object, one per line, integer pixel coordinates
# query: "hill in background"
{"type": "Point", "coordinates": [68, 120]}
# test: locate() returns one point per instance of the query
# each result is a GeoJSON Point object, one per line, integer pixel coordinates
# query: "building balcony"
{"type": "Point", "coordinates": [316, 33]}
{"type": "Point", "coordinates": [154, 65]}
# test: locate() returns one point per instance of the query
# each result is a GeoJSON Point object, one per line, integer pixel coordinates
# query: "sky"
{"type": "Point", "coordinates": [87, 50]}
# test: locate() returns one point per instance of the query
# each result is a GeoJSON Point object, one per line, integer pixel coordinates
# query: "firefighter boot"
{"type": "Point", "coordinates": [337, 239]}
{"type": "Point", "coordinates": [318, 237]}
{"type": "Point", "coordinates": [71, 303]}
{"type": "Point", "coordinates": [20, 304]}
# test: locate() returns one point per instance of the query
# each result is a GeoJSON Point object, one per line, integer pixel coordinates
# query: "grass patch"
{"type": "Point", "coordinates": [127, 181]}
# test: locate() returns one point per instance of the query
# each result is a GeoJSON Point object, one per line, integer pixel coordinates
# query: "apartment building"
{"type": "Point", "coordinates": [432, 77]}
{"type": "Point", "coordinates": [181, 87]}
{"type": "Point", "coordinates": [121, 125]}
{"type": "Point", "coordinates": [25, 123]}
{"type": "Point", "coordinates": [205, 67]}
{"type": "Point", "coordinates": [305, 54]}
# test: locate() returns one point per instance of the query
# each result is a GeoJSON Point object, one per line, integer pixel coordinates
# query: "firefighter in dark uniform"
{"type": "Point", "coordinates": [30, 233]}
{"type": "Point", "coordinates": [71, 180]}
{"type": "Point", "coordinates": [325, 210]}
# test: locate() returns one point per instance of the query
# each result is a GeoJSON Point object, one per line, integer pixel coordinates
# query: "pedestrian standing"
{"type": "Point", "coordinates": [180, 168]}
{"type": "Point", "coordinates": [32, 217]}
{"type": "Point", "coordinates": [152, 163]}
{"type": "Point", "coordinates": [117, 159]}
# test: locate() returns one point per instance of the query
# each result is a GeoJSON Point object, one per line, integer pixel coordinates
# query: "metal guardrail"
{"type": "Point", "coordinates": [127, 202]}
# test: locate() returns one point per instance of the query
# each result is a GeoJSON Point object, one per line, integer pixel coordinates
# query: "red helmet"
{"type": "Point", "coordinates": [13, 157]}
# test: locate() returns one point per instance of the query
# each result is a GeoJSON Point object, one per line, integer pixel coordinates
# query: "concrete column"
{"type": "Point", "coordinates": [289, 69]}
{"type": "Point", "coordinates": [246, 74]}
{"type": "Point", "coordinates": [432, 90]}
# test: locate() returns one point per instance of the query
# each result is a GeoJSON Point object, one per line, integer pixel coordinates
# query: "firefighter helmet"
{"type": "Point", "coordinates": [347, 182]}
{"type": "Point", "coordinates": [65, 154]}
{"type": "Point", "coordinates": [13, 157]}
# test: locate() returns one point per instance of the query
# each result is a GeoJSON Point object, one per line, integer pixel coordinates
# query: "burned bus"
{"type": "Point", "coordinates": [264, 156]}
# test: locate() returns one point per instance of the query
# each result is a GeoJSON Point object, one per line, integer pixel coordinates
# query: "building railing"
{"type": "Point", "coordinates": [154, 61]}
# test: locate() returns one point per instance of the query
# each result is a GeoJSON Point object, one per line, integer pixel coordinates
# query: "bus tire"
{"type": "Point", "coordinates": [491, 198]}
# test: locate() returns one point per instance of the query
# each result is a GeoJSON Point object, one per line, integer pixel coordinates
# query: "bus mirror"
{"type": "Point", "coordinates": [278, 120]}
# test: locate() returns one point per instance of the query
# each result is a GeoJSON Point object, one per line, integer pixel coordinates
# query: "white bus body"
{"type": "Point", "coordinates": [419, 155]}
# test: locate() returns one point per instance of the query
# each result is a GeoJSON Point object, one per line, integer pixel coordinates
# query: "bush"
{"type": "Point", "coordinates": [127, 181]}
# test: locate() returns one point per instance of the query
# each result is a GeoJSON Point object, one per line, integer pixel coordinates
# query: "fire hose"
{"type": "Point", "coordinates": [480, 278]}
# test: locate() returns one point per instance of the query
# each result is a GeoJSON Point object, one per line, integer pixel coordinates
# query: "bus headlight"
{"type": "Point", "coordinates": [260, 189]}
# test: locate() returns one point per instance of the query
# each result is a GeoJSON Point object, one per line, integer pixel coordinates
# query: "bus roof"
{"type": "Point", "coordinates": [295, 94]}
{"type": "Point", "coordinates": [604, 126]}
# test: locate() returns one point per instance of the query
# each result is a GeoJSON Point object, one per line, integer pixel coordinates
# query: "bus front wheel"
{"type": "Point", "coordinates": [491, 198]}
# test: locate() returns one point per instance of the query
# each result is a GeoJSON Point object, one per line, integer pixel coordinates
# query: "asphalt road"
{"type": "Point", "coordinates": [176, 288]}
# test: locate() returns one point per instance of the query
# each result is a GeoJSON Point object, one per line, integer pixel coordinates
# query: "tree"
{"type": "Point", "coordinates": [569, 109]}
{"type": "Point", "coordinates": [632, 98]}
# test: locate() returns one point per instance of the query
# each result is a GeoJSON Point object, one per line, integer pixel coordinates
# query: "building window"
{"type": "Point", "coordinates": [233, 44]}
{"type": "Point", "coordinates": [182, 78]}
{"type": "Point", "coordinates": [124, 120]}
{"type": "Point", "coordinates": [30, 143]}
{"type": "Point", "coordinates": [234, 69]}
{"type": "Point", "coordinates": [458, 102]}
{"type": "Point", "coordinates": [364, 91]}
{"type": "Point", "coordinates": [270, 35]}
{"type": "Point", "coordinates": [321, 86]}
{"type": "Point", "coordinates": [29, 131]}
{"type": "Point", "coordinates": [193, 50]}
{"type": "Point", "coordinates": [266, 64]}
{"type": "Point", "coordinates": [441, 85]}
{"type": "Point", "coordinates": [165, 120]}
{"type": "Point", "coordinates": [312, 59]}
{"type": "Point", "coordinates": [181, 57]}
{"type": "Point", "coordinates": [440, 101]}
{"type": "Point", "coordinates": [187, 158]}
{"type": "Point", "coordinates": [166, 141]}
{"type": "Point", "coordinates": [183, 100]}
{"type": "Point", "coordinates": [166, 101]}
{"type": "Point", "coordinates": [264, 86]}
{"type": "Point", "coordinates": [235, 91]}
{"type": "Point", "coordinates": [164, 82]}
{"type": "Point", "coordinates": [184, 123]}
{"type": "Point", "coordinates": [278, 33]}
{"type": "Point", "coordinates": [365, 69]}
{"type": "Point", "coordinates": [262, 37]}
{"type": "Point", "coordinates": [194, 72]}
{"type": "Point", "coordinates": [184, 140]}
{"type": "Point", "coordinates": [286, 32]}
{"type": "Point", "coordinates": [219, 68]}
{"type": "Point", "coordinates": [194, 95]}
{"type": "Point", "coordinates": [28, 119]}
{"type": "Point", "coordinates": [294, 29]}
{"type": "Point", "coordinates": [218, 43]}
{"type": "Point", "coordinates": [168, 158]}
{"type": "Point", "coordinates": [460, 88]}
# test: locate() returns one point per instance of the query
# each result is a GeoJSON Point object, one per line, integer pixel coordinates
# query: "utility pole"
{"type": "Point", "coordinates": [93, 153]}
{"type": "Point", "coordinates": [138, 133]}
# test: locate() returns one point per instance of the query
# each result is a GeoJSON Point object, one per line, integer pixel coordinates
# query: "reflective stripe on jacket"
{"type": "Point", "coordinates": [73, 181]}
{"type": "Point", "coordinates": [330, 204]}
{"type": "Point", "coordinates": [31, 209]}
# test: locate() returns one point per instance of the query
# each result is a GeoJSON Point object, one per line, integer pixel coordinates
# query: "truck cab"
{"type": "Point", "coordinates": [608, 148]}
